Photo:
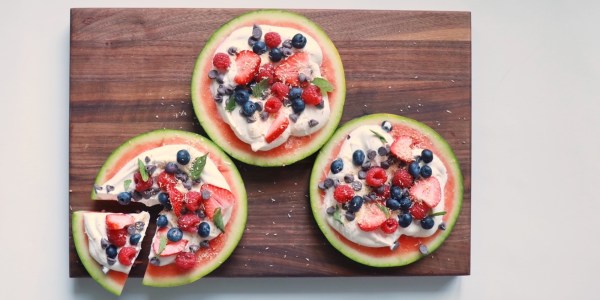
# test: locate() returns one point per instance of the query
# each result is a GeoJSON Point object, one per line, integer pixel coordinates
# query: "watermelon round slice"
{"type": "Point", "coordinates": [297, 146]}
{"type": "Point", "coordinates": [222, 246]}
{"type": "Point", "coordinates": [370, 217]}
{"type": "Point", "coordinates": [112, 280]}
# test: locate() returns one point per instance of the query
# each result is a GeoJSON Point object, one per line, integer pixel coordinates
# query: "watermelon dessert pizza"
{"type": "Point", "coordinates": [269, 88]}
{"type": "Point", "coordinates": [201, 192]}
{"type": "Point", "coordinates": [108, 244]}
{"type": "Point", "coordinates": [386, 190]}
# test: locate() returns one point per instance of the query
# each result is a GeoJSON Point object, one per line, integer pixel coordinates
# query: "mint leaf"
{"type": "Point", "coordinates": [385, 210]}
{"type": "Point", "coordinates": [230, 104]}
{"type": "Point", "coordinates": [323, 85]}
{"type": "Point", "coordinates": [218, 219]}
{"type": "Point", "coordinates": [337, 215]}
{"type": "Point", "coordinates": [142, 169]}
{"type": "Point", "coordinates": [439, 213]}
{"type": "Point", "coordinates": [381, 137]}
{"type": "Point", "coordinates": [126, 184]}
{"type": "Point", "coordinates": [198, 166]}
{"type": "Point", "coordinates": [163, 244]}
{"type": "Point", "coordinates": [259, 89]}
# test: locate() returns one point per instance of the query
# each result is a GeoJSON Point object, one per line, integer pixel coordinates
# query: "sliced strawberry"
{"type": "Point", "coordinates": [166, 180]}
{"type": "Point", "coordinates": [192, 200]}
{"type": "Point", "coordinates": [401, 148]}
{"type": "Point", "coordinates": [185, 260]}
{"type": "Point", "coordinates": [390, 225]}
{"type": "Point", "coordinates": [402, 178]}
{"type": "Point", "coordinates": [287, 72]}
{"type": "Point", "coordinates": [118, 221]}
{"type": "Point", "coordinates": [176, 199]}
{"type": "Point", "coordinates": [247, 63]}
{"type": "Point", "coordinates": [278, 126]}
{"type": "Point", "coordinates": [427, 190]}
{"type": "Point", "coordinates": [127, 255]}
{"type": "Point", "coordinates": [376, 177]}
{"type": "Point", "coordinates": [188, 222]}
{"type": "Point", "coordinates": [117, 237]}
{"type": "Point", "coordinates": [419, 210]}
{"type": "Point", "coordinates": [266, 71]}
{"type": "Point", "coordinates": [140, 184]}
{"type": "Point", "coordinates": [171, 247]}
{"type": "Point", "coordinates": [370, 217]}
{"type": "Point", "coordinates": [219, 198]}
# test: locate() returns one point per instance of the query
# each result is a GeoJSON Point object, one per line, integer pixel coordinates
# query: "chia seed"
{"type": "Point", "coordinates": [321, 104]}
{"type": "Point", "coordinates": [312, 123]}
{"type": "Point", "coordinates": [321, 186]}
{"type": "Point", "coordinates": [139, 225]}
{"type": "Point", "coordinates": [212, 74]}
{"type": "Point", "coordinates": [252, 41]}
{"type": "Point", "coordinates": [328, 183]}
{"type": "Point", "coordinates": [336, 182]}
{"type": "Point", "coordinates": [349, 216]}
{"type": "Point", "coordinates": [220, 78]}
{"type": "Point", "coordinates": [218, 98]}
{"type": "Point", "coordinates": [287, 102]}
{"type": "Point", "coordinates": [137, 196]}
{"type": "Point", "coordinates": [293, 117]}
{"type": "Point", "coordinates": [104, 243]}
{"type": "Point", "coordinates": [194, 248]}
{"type": "Point", "coordinates": [131, 230]}
{"type": "Point", "coordinates": [387, 126]}
{"type": "Point", "coordinates": [371, 154]}
{"type": "Point", "coordinates": [356, 186]}
{"type": "Point", "coordinates": [155, 261]}
{"type": "Point", "coordinates": [232, 51]}
{"type": "Point", "coordinates": [287, 44]}
{"type": "Point", "coordinates": [366, 166]}
{"type": "Point", "coordinates": [147, 159]}
{"type": "Point", "coordinates": [201, 214]}
{"type": "Point", "coordinates": [423, 249]}
{"type": "Point", "coordinates": [150, 169]}
{"type": "Point", "coordinates": [111, 261]}
{"type": "Point", "coordinates": [362, 174]}
{"type": "Point", "coordinates": [394, 246]}
{"type": "Point", "coordinates": [382, 151]}
{"type": "Point", "coordinates": [442, 226]}
{"type": "Point", "coordinates": [205, 194]}
{"type": "Point", "coordinates": [204, 244]}
{"type": "Point", "coordinates": [221, 90]}
{"type": "Point", "coordinates": [181, 176]}
{"type": "Point", "coordinates": [348, 178]}
{"type": "Point", "coordinates": [97, 187]}
{"type": "Point", "coordinates": [259, 106]}
{"type": "Point", "coordinates": [287, 51]}
{"type": "Point", "coordinates": [385, 164]}
{"type": "Point", "coordinates": [330, 210]}
{"type": "Point", "coordinates": [188, 184]}
{"type": "Point", "coordinates": [256, 32]}
{"type": "Point", "coordinates": [250, 120]}
{"type": "Point", "coordinates": [302, 77]}
{"type": "Point", "coordinates": [380, 190]}
{"type": "Point", "coordinates": [109, 188]}
{"type": "Point", "coordinates": [263, 115]}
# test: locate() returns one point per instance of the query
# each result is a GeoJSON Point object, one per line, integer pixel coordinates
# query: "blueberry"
{"type": "Point", "coordinates": [396, 192]}
{"type": "Point", "coordinates": [111, 251]}
{"type": "Point", "coordinates": [426, 156]}
{"type": "Point", "coordinates": [174, 234]}
{"type": "Point", "coordinates": [135, 239]}
{"type": "Point", "coordinates": [162, 221]}
{"type": "Point", "coordinates": [355, 204]}
{"type": "Point", "coordinates": [404, 220]}
{"type": "Point", "coordinates": [392, 204]}
{"type": "Point", "coordinates": [183, 157]}
{"type": "Point", "coordinates": [171, 168]}
{"type": "Point", "coordinates": [427, 222]}
{"type": "Point", "coordinates": [405, 203]}
{"type": "Point", "coordinates": [298, 105]}
{"type": "Point", "coordinates": [275, 54]}
{"type": "Point", "coordinates": [299, 41]}
{"type": "Point", "coordinates": [241, 96]}
{"type": "Point", "coordinates": [426, 171]}
{"type": "Point", "coordinates": [204, 229]}
{"type": "Point", "coordinates": [248, 108]}
{"type": "Point", "coordinates": [295, 92]}
{"type": "Point", "coordinates": [337, 166]}
{"type": "Point", "coordinates": [358, 157]}
{"type": "Point", "coordinates": [163, 198]}
{"type": "Point", "coordinates": [414, 169]}
{"type": "Point", "coordinates": [124, 198]}
{"type": "Point", "coordinates": [259, 47]}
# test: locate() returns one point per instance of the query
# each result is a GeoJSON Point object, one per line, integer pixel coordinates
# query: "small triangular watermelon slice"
{"type": "Point", "coordinates": [89, 228]}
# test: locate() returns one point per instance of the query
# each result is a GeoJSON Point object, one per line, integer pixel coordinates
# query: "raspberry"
{"type": "Point", "coordinates": [221, 61]}
{"type": "Point", "coordinates": [390, 225]}
{"type": "Point", "coordinates": [192, 200]}
{"type": "Point", "coordinates": [273, 105]}
{"type": "Point", "coordinates": [141, 185]}
{"type": "Point", "coordinates": [188, 222]}
{"type": "Point", "coordinates": [266, 71]}
{"type": "Point", "coordinates": [117, 237]}
{"type": "Point", "coordinates": [272, 39]}
{"type": "Point", "coordinates": [419, 210]}
{"type": "Point", "coordinates": [402, 179]}
{"type": "Point", "coordinates": [343, 193]}
{"type": "Point", "coordinates": [312, 95]}
{"type": "Point", "coordinates": [185, 260]}
{"type": "Point", "coordinates": [166, 180]}
{"type": "Point", "coordinates": [280, 90]}
{"type": "Point", "coordinates": [376, 177]}
{"type": "Point", "coordinates": [126, 255]}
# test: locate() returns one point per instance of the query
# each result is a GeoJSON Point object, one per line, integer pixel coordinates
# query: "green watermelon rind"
{"type": "Point", "coordinates": [234, 236]}
{"type": "Point", "coordinates": [92, 267]}
{"type": "Point", "coordinates": [320, 166]}
{"type": "Point", "coordinates": [260, 158]}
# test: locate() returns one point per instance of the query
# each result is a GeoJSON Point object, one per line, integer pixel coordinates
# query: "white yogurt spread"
{"type": "Point", "coordinates": [95, 228]}
{"type": "Point", "coordinates": [254, 133]}
{"type": "Point", "coordinates": [160, 157]}
{"type": "Point", "coordinates": [362, 138]}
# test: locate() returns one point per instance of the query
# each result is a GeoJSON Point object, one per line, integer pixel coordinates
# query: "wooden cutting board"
{"type": "Point", "coordinates": [130, 73]}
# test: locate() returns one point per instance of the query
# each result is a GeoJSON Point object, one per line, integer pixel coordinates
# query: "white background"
{"type": "Point", "coordinates": [536, 141]}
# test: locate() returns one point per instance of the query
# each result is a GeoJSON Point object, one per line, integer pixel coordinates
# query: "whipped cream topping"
{"type": "Point", "coordinates": [254, 133]}
{"type": "Point", "coordinates": [363, 138]}
{"type": "Point", "coordinates": [95, 228]}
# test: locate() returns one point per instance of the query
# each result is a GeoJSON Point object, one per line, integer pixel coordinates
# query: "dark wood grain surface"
{"type": "Point", "coordinates": [130, 73]}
